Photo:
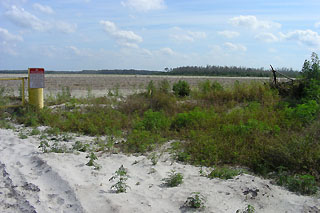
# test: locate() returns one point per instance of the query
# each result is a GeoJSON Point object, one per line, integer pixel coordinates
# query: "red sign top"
{"type": "Point", "coordinates": [36, 70]}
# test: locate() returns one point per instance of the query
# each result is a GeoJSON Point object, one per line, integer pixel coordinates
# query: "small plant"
{"type": "Point", "coordinates": [154, 158]}
{"type": "Point", "coordinates": [121, 176]}
{"type": "Point", "coordinates": [174, 179]}
{"type": "Point", "coordinates": [196, 201]}
{"type": "Point", "coordinates": [248, 209]}
{"type": "Point", "coordinates": [92, 157]}
{"type": "Point", "coordinates": [35, 131]}
{"type": "Point", "coordinates": [22, 136]}
{"type": "Point", "coordinates": [181, 88]}
{"type": "Point", "coordinates": [223, 173]}
{"type": "Point", "coordinates": [81, 147]}
{"type": "Point", "coordinates": [44, 146]}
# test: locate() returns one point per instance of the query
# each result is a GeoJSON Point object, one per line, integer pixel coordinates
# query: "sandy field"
{"type": "Point", "coordinates": [33, 181]}
{"type": "Point", "coordinates": [99, 85]}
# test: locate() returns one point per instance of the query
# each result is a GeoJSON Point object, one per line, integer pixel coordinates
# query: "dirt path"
{"type": "Point", "coordinates": [28, 183]}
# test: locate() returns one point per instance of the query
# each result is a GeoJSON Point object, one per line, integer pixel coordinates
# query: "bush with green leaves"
{"type": "Point", "coordinates": [304, 184]}
{"type": "Point", "coordinates": [141, 141]}
{"type": "Point", "coordinates": [174, 179]}
{"type": "Point", "coordinates": [121, 176]}
{"type": "Point", "coordinates": [196, 201]}
{"type": "Point", "coordinates": [154, 121]}
{"type": "Point", "coordinates": [181, 88]}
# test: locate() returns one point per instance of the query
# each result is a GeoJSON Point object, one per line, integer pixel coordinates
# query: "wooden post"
{"type": "Point", "coordinates": [274, 75]}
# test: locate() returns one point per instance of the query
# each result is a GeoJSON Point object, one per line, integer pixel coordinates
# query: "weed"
{"type": "Point", "coordinates": [121, 176]}
{"type": "Point", "coordinates": [223, 173]}
{"type": "Point", "coordinates": [23, 136]}
{"type": "Point", "coordinates": [35, 131]}
{"type": "Point", "coordinates": [44, 146]}
{"type": "Point", "coordinates": [174, 179]}
{"type": "Point", "coordinates": [92, 157]}
{"type": "Point", "coordinates": [196, 201]}
{"type": "Point", "coordinates": [154, 158]}
{"type": "Point", "coordinates": [248, 209]}
{"type": "Point", "coordinates": [81, 147]}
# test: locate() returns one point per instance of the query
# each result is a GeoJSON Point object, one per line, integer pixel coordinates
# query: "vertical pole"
{"type": "Point", "coordinates": [22, 85]}
{"type": "Point", "coordinates": [274, 76]}
{"type": "Point", "coordinates": [35, 95]}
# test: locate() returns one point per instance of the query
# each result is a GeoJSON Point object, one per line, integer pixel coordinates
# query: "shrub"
{"type": "Point", "coordinates": [154, 121]}
{"type": "Point", "coordinates": [196, 201]}
{"type": "Point", "coordinates": [174, 179]}
{"type": "Point", "coordinates": [164, 86]}
{"type": "Point", "coordinates": [141, 141]}
{"type": "Point", "coordinates": [121, 175]}
{"type": "Point", "coordinates": [192, 120]}
{"type": "Point", "coordinates": [181, 88]}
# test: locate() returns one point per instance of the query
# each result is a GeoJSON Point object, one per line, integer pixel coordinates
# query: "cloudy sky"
{"type": "Point", "coordinates": [154, 34]}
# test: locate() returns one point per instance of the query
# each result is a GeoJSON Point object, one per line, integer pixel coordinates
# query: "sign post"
{"type": "Point", "coordinates": [35, 86]}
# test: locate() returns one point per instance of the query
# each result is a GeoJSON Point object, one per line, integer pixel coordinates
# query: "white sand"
{"type": "Point", "coordinates": [32, 181]}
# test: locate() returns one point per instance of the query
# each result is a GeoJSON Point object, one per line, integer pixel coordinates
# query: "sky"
{"type": "Point", "coordinates": [157, 34]}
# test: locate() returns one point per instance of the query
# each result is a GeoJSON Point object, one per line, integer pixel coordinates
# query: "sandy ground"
{"type": "Point", "coordinates": [32, 181]}
{"type": "Point", "coordinates": [100, 85]}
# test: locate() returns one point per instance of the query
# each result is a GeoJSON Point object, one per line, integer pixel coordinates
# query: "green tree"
{"type": "Point", "coordinates": [311, 69]}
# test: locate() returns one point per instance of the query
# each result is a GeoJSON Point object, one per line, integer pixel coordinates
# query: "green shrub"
{"type": "Point", "coordinates": [141, 141]}
{"type": "Point", "coordinates": [174, 179]}
{"type": "Point", "coordinates": [121, 175]}
{"type": "Point", "coordinates": [164, 86]}
{"type": "Point", "coordinates": [192, 120]}
{"type": "Point", "coordinates": [303, 184]}
{"type": "Point", "coordinates": [196, 201]}
{"type": "Point", "coordinates": [181, 88]}
{"type": "Point", "coordinates": [154, 121]}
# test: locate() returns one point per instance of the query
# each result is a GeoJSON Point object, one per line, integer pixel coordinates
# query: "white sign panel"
{"type": "Point", "coordinates": [36, 77]}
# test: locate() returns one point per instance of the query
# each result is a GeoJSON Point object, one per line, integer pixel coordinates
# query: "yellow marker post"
{"type": "Point", "coordinates": [35, 86]}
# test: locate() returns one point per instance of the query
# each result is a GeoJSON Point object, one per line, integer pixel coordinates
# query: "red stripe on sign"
{"type": "Point", "coordinates": [36, 70]}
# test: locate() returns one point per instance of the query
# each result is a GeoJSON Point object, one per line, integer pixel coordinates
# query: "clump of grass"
{"type": "Point", "coordinates": [196, 201]}
{"type": "Point", "coordinates": [223, 173]}
{"type": "Point", "coordinates": [174, 179]}
{"type": "Point", "coordinates": [121, 176]}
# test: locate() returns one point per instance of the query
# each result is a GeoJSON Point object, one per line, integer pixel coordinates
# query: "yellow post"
{"type": "Point", "coordinates": [35, 94]}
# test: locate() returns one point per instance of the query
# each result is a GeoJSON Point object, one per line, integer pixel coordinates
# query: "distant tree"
{"type": "Point", "coordinates": [311, 69]}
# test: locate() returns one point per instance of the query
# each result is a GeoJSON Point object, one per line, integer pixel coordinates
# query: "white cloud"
{"type": "Point", "coordinates": [144, 5]}
{"type": "Point", "coordinates": [229, 34]}
{"type": "Point", "coordinates": [123, 37]}
{"type": "Point", "coordinates": [251, 22]}
{"type": "Point", "coordinates": [317, 24]}
{"type": "Point", "coordinates": [65, 27]}
{"type": "Point", "coordinates": [6, 36]}
{"type": "Point", "coordinates": [305, 37]}
{"type": "Point", "coordinates": [235, 47]}
{"type": "Point", "coordinates": [43, 8]}
{"type": "Point", "coordinates": [267, 37]}
{"type": "Point", "coordinates": [8, 42]}
{"type": "Point", "coordinates": [25, 19]}
{"type": "Point", "coordinates": [167, 51]}
{"type": "Point", "coordinates": [181, 35]}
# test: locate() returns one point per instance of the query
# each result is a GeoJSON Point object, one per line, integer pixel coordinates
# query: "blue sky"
{"type": "Point", "coordinates": [154, 34]}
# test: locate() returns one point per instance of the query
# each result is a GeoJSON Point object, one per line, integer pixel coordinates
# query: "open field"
{"type": "Point", "coordinates": [126, 84]}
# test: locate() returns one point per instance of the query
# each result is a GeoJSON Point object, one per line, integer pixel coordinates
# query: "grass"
{"type": "Point", "coordinates": [248, 124]}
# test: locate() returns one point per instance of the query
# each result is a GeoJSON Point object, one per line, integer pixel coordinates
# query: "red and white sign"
{"type": "Point", "coordinates": [36, 77]}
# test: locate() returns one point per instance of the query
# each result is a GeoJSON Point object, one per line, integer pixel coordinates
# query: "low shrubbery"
{"type": "Point", "coordinates": [244, 124]}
